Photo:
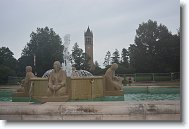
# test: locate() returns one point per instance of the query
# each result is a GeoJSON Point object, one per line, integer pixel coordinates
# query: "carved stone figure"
{"type": "Point", "coordinates": [57, 81]}
{"type": "Point", "coordinates": [112, 83]}
{"type": "Point", "coordinates": [26, 82]}
{"type": "Point", "coordinates": [74, 74]}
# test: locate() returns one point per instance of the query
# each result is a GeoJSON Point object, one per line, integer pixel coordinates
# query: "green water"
{"type": "Point", "coordinates": [151, 93]}
{"type": "Point", "coordinates": [142, 96]}
{"type": "Point", "coordinates": [152, 90]}
{"type": "Point", "coordinates": [130, 94]}
{"type": "Point", "coordinates": [105, 98]}
{"type": "Point", "coordinates": [6, 99]}
{"type": "Point", "coordinates": [5, 96]}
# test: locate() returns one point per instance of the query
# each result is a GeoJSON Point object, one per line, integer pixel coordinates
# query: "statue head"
{"type": "Point", "coordinates": [114, 66]}
{"type": "Point", "coordinates": [57, 66]}
{"type": "Point", "coordinates": [28, 69]}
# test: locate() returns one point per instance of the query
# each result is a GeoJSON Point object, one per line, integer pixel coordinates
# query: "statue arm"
{"type": "Point", "coordinates": [29, 76]}
{"type": "Point", "coordinates": [116, 78]}
{"type": "Point", "coordinates": [26, 80]}
{"type": "Point", "coordinates": [22, 84]}
{"type": "Point", "coordinates": [108, 76]}
{"type": "Point", "coordinates": [50, 83]}
{"type": "Point", "coordinates": [63, 82]}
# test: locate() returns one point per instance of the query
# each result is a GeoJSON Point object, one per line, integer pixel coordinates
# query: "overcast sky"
{"type": "Point", "coordinates": [113, 22]}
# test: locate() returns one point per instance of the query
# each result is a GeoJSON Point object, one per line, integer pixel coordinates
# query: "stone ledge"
{"type": "Point", "coordinates": [152, 110]}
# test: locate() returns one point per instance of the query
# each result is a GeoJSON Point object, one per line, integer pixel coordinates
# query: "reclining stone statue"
{"type": "Point", "coordinates": [57, 81]}
{"type": "Point", "coordinates": [26, 82]}
{"type": "Point", "coordinates": [113, 83]}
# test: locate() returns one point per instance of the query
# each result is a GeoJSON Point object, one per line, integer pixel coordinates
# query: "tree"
{"type": "Point", "coordinates": [5, 72]}
{"type": "Point", "coordinates": [168, 54]}
{"type": "Point", "coordinates": [24, 61]}
{"type": "Point", "coordinates": [80, 59]}
{"type": "Point", "coordinates": [8, 64]}
{"type": "Point", "coordinates": [47, 46]}
{"type": "Point", "coordinates": [6, 58]}
{"type": "Point", "coordinates": [107, 59]}
{"type": "Point", "coordinates": [153, 48]}
{"type": "Point", "coordinates": [98, 71]}
{"type": "Point", "coordinates": [96, 64]}
{"type": "Point", "coordinates": [77, 56]}
{"type": "Point", "coordinates": [124, 57]}
{"type": "Point", "coordinates": [115, 57]}
{"type": "Point", "coordinates": [85, 62]}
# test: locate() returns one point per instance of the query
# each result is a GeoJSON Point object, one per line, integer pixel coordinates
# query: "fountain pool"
{"type": "Point", "coordinates": [130, 94]}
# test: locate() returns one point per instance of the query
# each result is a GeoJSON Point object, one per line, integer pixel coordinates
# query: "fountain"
{"type": "Point", "coordinates": [67, 66]}
{"type": "Point", "coordinates": [80, 84]}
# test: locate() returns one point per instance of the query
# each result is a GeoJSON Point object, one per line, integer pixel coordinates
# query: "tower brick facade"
{"type": "Point", "coordinates": [88, 37]}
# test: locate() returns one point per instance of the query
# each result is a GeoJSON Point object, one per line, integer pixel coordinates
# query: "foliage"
{"type": "Point", "coordinates": [98, 71]}
{"type": "Point", "coordinates": [6, 58]}
{"type": "Point", "coordinates": [155, 49]}
{"type": "Point", "coordinates": [96, 64]}
{"type": "Point", "coordinates": [85, 62]}
{"type": "Point", "coordinates": [115, 56]}
{"type": "Point", "coordinates": [5, 72]}
{"type": "Point", "coordinates": [8, 64]}
{"type": "Point", "coordinates": [125, 57]}
{"type": "Point", "coordinates": [47, 46]}
{"type": "Point", "coordinates": [80, 59]}
{"type": "Point", "coordinates": [24, 61]}
{"type": "Point", "coordinates": [107, 59]}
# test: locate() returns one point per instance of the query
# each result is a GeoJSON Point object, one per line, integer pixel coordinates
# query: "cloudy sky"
{"type": "Point", "coordinates": [113, 22]}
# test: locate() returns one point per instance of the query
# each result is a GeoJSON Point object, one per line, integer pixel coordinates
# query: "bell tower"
{"type": "Point", "coordinates": [88, 37]}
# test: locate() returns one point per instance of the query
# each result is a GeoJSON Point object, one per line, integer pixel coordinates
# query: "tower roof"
{"type": "Point", "coordinates": [89, 32]}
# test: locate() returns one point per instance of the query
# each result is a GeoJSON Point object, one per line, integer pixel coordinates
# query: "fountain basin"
{"type": "Point", "coordinates": [78, 88]}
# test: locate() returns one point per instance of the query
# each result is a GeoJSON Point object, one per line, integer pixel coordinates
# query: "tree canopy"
{"type": "Point", "coordinates": [155, 49]}
{"type": "Point", "coordinates": [46, 46]}
{"type": "Point", "coordinates": [115, 56]}
{"type": "Point", "coordinates": [80, 59]}
{"type": "Point", "coordinates": [125, 57]}
{"type": "Point", "coordinates": [8, 64]}
{"type": "Point", "coordinates": [107, 59]}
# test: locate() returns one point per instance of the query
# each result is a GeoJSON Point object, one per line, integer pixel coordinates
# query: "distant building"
{"type": "Point", "coordinates": [88, 37]}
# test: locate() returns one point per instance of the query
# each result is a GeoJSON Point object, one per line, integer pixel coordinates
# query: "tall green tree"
{"type": "Point", "coordinates": [8, 64]}
{"type": "Point", "coordinates": [85, 62]}
{"type": "Point", "coordinates": [115, 57]}
{"type": "Point", "coordinates": [153, 46]}
{"type": "Point", "coordinates": [24, 61]}
{"type": "Point", "coordinates": [168, 54]}
{"type": "Point", "coordinates": [46, 46]}
{"type": "Point", "coordinates": [6, 58]}
{"type": "Point", "coordinates": [77, 56]}
{"type": "Point", "coordinates": [125, 57]}
{"type": "Point", "coordinates": [107, 59]}
{"type": "Point", "coordinates": [80, 59]}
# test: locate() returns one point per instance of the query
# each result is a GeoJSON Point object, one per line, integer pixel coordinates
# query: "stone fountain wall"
{"type": "Point", "coordinates": [120, 110]}
{"type": "Point", "coordinates": [78, 87]}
